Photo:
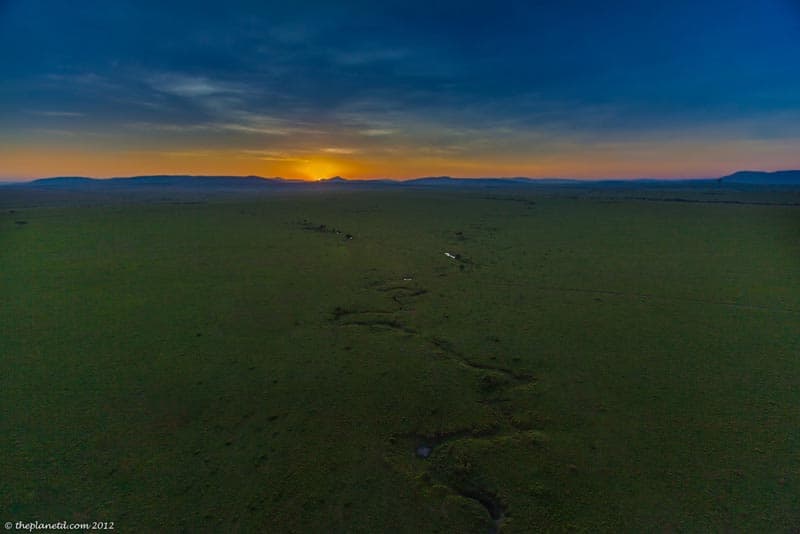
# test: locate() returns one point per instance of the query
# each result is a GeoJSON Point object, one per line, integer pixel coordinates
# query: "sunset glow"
{"type": "Point", "coordinates": [116, 90]}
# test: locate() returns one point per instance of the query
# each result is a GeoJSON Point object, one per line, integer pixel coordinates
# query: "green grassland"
{"type": "Point", "coordinates": [586, 363]}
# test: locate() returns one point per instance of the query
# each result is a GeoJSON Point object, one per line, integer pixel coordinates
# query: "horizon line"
{"type": "Point", "coordinates": [12, 180]}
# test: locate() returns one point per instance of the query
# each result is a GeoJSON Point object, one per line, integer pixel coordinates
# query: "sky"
{"type": "Point", "coordinates": [385, 89]}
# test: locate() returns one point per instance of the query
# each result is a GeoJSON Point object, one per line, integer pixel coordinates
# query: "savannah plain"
{"type": "Point", "coordinates": [582, 360]}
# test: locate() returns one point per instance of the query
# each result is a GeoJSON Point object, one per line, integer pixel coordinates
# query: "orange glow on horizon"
{"type": "Point", "coordinates": [664, 160]}
{"type": "Point", "coordinates": [318, 169]}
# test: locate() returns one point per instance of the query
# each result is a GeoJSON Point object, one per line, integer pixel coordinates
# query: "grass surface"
{"type": "Point", "coordinates": [585, 363]}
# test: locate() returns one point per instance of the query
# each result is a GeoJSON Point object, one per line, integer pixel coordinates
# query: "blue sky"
{"type": "Point", "coordinates": [399, 89]}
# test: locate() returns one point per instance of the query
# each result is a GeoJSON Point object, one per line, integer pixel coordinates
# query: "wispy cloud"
{"type": "Point", "coordinates": [376, 132]}
{"type": "Point", "coordinates": [234, 121]}
{"type": "Point", "coordinates": [169, 127]}
{"type": "Point", "coordinates": [252, 129]}
{"type": "Point", "coordinates": [81, 78]}
{"type": "Point", "coordinates": [341, 151]}
{"type": "Point", "coordinates": [194, 86]}
{"type": "Point", "coordinates": [186, 154]}
{"type": "Point", "coordinates": [261, 123]}
{"type": "Point", "coordinates": [64, 114]}
{"type": "Point", "coordinates": [265, 155]}
{"type": "Point", "coordinates": [56, 132]}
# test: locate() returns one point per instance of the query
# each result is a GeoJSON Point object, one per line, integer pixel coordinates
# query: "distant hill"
{"type": "Point", "coordinates": [63, 181]}
{"type": "Point", "coordinates": [238, 183]}
{"type": "Point", "coordinates": [763, 178]}
{"type": "Point", "coordinates": [173, 181]}
{"type": "Point", "coordinates": [448, 181]}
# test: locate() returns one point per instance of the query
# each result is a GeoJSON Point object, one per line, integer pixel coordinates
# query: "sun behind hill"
{"type": "Point", "coordinates": [317, 170]}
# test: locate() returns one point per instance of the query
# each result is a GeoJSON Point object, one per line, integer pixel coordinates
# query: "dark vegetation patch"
{"type": "Point", "coordinates": [492, 381]}
{"type": "Point", "coordinates": [402, 295]}
{"type": "Point", "coordinates": [447, 348]}
{"type": "Point", "coordinates": [324, 229]}
{"type": "Point", "coordinates": [525, 201]}
{"type": "Point", "coordinates": [646, 296]}
{"type": "Point", "coordinates": [339, 312]}
{"type": "Point", "coordinates": [379, 323]}
{"type": "Point", "coordinates": [707, 201]}
{"type": "Point", "coordinates": [464, 263]}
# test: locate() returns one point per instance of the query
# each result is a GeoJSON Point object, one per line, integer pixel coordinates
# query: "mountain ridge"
{"type": "Point", "coordinates": [786, 177]}
{"type": "Point", "coordinates": [745, 177]}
